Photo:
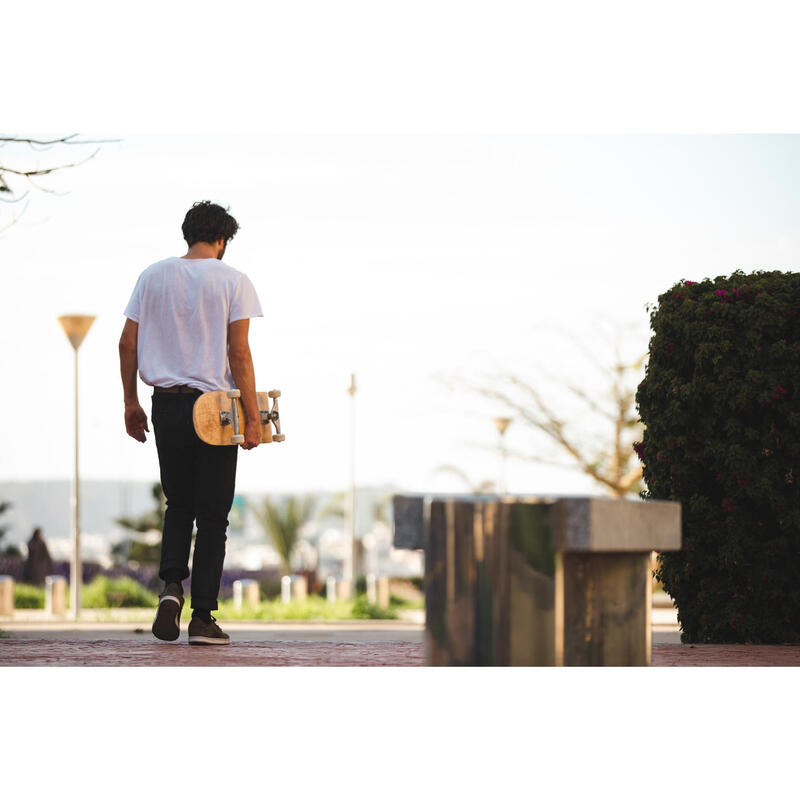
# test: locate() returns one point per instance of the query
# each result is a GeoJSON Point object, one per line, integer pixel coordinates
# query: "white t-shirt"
{"type": "Point", "coordinates": [183, 307]}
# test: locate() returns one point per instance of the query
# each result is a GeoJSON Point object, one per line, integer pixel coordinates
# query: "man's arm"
{"type": "Point", "coordinates": [241, 362]}
{"type": "Point", "coordinates": [135, 418]}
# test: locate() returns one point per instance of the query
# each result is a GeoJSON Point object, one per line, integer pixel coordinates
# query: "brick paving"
{"type": "Point", "coordinates": [725, 655]}
{"type": "Point", "coordinates": [116, 653]}
{"type": "Point", "coordinates": [132, 653]}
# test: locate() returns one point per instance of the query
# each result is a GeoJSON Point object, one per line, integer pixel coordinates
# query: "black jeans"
{"type": "Point", "coordinates": [198, 481]}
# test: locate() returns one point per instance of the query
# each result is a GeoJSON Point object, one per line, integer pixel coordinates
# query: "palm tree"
{"type": "Point", "coordinates": [152, 520]}
{"type": "Point", "coordinates": [283, 522]}
{"type": "Point", "coordinates": [336, 506]}
{"type": "Point", "coordinates": [133, 548]}
{"type": "Point", "coordinates": [483, 487]}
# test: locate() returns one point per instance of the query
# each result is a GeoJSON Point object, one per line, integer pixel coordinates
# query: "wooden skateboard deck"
{"type": "Point", "coordinates": [219, 417]}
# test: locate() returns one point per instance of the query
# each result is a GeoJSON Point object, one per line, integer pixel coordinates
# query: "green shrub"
{"type": "Point", "coordinates": [720, 405]}
{"type": "Point", "coordinates": [26, 596]}
{"type": "Point", "coordinates": [313, 607]}
{"type": "Point", "coordinates": [124, 592]}
{"type": "Point", "coordinates": [363, 609]}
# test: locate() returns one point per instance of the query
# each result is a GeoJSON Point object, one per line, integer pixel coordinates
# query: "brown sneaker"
{"type": "Point", "coordinates": [167, 624]}
{"type": "Point", "coordinates": [202, 632]}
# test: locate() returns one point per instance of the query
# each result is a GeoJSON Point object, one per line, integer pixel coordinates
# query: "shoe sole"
{"type": "Point", "coordinates": [166, 625]}
{"type": "Point", "coordinates": [207, 640]}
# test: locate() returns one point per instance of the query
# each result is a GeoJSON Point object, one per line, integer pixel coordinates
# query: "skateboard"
{"type": "Point", "coordinates": [219, 417]}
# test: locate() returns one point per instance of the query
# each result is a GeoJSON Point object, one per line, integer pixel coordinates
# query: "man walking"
{"type": "Point", "coordinates": [187, 333]}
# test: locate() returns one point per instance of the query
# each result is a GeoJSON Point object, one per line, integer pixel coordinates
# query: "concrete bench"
{"type": "Point", "coordinates": [536, 581]}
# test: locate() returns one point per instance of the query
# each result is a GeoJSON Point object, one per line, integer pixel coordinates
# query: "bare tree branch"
{"type": "Point", "coordinates": [49, 142]}
{"type": "Point", "coordinates": [38, 172]}
{"type": "Point", "coordinates": [12, 200]}
{"type": "Point", "coordinates": [612, 461]}
{"type": "Point", "coordinates": [8, 188]}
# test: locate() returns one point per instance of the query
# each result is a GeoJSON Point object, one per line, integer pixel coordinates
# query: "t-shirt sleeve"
{"type": "Point", "coordinates": [134, 307]}
{"type": "Point", "coordinates": [244, 303]}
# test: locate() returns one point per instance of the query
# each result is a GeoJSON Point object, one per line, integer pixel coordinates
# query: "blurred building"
{"type": "Point", "coordinates": [324, 546]}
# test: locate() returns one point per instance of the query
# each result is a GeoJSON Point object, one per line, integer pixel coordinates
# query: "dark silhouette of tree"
{"type": "Point", "coordinates": [132, 548]}
{"type": "Point", "coordinates": [11, 549]}
{"type": "Point", "coordinates": [282, 522]}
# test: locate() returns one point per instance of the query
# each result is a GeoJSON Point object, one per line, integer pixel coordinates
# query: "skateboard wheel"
{"type": "Point", "coordinates": [279, 437]}
{"type": "Point", "coordinates": [234, 393]}
{"type": "Point", "coordinates": [274, 393]}
{"type": "Point", "coordinates": [237, 438]}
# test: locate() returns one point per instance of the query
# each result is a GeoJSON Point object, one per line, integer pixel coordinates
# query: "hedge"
{"type": "Point", "coordinates": [720, 404]}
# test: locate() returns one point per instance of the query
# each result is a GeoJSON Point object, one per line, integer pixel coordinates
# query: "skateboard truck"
{"type": "Point", "coordinates": [232, 417]}
{"type": "Point", "coordinates": [273, 416]}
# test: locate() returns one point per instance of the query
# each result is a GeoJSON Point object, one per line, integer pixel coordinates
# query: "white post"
{"type": "Point", "coordinates": [330, 588]}
{"type": "Point", "coordinates": [286, 589]}
{"type": "Point", "coordinates": [372, 589]}
{"type": "Point", "coordinates": [350, 510]}
{"type": "Point", "coordinates": [76, 568]}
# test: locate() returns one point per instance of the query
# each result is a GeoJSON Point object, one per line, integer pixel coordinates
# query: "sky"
{"type": "Point", "coordinates": [404, 259]}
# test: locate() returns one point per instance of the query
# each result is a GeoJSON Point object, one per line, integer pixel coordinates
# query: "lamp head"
{"type": "Point", "coordinates": [501, 423]}
{"type": "Point", "coordinates": [76, 326]}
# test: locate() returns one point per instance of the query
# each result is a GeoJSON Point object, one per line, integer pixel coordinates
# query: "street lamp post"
{"type": "Point", "coordinates": [76, 326]}
{"type": "Point", "coordinates": [351, 492]}
{"type": "Point", "coordinates": [502, 423]}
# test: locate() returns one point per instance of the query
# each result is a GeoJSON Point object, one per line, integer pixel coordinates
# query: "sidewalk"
{"type": "Point", "coordinates": [150, 653]}
{"type": "Point", "coordinates": [123, 638]}
{"type": "Point", "coordinates": [146, 652]}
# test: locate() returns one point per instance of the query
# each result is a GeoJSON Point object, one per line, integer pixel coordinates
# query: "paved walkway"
{"type": "Point", "coordinates": [140, 652]}
{"type": "Point", "coordinates": [39, 640]}
{"type": "Point", "coordinates": [725, 655]}
{"type": "Point", "coordinates": [105, 653]}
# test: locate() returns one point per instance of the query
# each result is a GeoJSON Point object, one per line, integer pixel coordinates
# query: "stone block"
{"type": "Point", "coordinates": [55, 595]}
{"type": "Point", "coordinates": [407, 513]}
{"type": "Point", "coordinates": [531, 581]}
{"type": "Point", "coordinates": [382, 591]}
{"type": "Point", "coordinates": [6, 595]}
{"type": "Point", "coordinates": [294, 587]}
{"type": "Point", "coordinates": [245, 592]}
{"type": "Point", "coordinates": [602, 524]}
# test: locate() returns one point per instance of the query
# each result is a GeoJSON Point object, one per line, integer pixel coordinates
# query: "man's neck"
{"type": "Point", "coordinates": [202, 250]}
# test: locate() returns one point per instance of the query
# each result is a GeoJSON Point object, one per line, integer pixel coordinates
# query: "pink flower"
{"type": "Point", "coordinates": [728, 504]}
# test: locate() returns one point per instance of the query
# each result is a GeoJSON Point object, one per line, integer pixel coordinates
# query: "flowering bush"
{"type": "Point", "coordinates": [720, 404]}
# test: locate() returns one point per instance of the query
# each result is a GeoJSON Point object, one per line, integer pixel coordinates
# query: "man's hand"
{"type": "Point", "coordinates": [252, 434]}
{"type": "Point", "coordinates": [136, 422]}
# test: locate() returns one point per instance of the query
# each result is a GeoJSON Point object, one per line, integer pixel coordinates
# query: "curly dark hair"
{"type": "Point", "coordinates": [206, 222]}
